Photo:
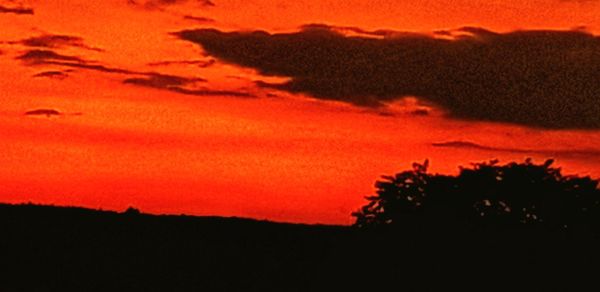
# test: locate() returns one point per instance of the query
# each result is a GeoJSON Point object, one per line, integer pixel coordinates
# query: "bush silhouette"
{"type": "Point", "coordinates": [485, 195]}
{"type": "Point", "coordinates": [131, 211]}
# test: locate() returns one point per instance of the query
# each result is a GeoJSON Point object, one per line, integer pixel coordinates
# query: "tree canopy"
{"type": "Point", "coordinates": [485, 195]}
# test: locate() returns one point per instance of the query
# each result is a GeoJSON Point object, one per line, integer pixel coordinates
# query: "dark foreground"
{"type": "Point", "coordinates": [73, 249]}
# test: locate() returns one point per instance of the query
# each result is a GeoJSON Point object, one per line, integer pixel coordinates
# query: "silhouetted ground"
{"type": "Point", "coordinates": [45, 248]}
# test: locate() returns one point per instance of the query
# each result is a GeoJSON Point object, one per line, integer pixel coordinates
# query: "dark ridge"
{"type": "Point", "coordinates": [46, 248]}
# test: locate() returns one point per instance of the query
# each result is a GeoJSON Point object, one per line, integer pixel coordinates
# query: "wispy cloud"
{"type": "Point", "coordinates": [162, 81]}
{"type": "Point", "coordinates": [385, 33]}
{"type": "Point", "coordinates": [43, 112]}
{"type": "Point", "coordinates": [53, 74]}
{"type": "Point", "coordinates": [34, 57]}
{"type": "Point", "coordinates": [55, 41]}
{"type": "Point", "coordinates": [158, 4]}
{"type": "Point", "coordinates": [198, 63]}
{"type": "Point", "coordinates": [557, 152]}
{"type": "Point", "coordinates": [174, 83]}
{"type": "Point", "coordinates": [212, 92]}
{"type": "Point", "coordinates": [181, 85]}
{"type": "Point", "coordinates": [15, 8]}
{"type": "Point", "coordinates": [199, 19]}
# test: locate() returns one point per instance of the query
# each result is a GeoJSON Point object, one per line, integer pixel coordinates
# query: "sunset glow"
{"type": "Point", "coordinates": [148, 117]}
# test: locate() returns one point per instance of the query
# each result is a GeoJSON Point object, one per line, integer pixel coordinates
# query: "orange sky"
{"type": "Point", "coordinates": [275, 155]}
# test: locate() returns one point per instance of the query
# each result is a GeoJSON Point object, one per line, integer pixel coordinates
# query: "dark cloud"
{"type": "Point", "coordinates": [385, 33]}
{"type": "Point", "coordinates": [53, 74]}
{"type": "Point", "coordinates": [471, 145]}
{"type": "Point", "coordinates": [45, 56]}
{"type": "Point", "coordinates": [95, 67]}
{"type": "Point", "coordinates": [49, 57]}
{"type": "Point", "coordinates": [420, 112]}
{"type": "Point", "coordinates": [199, 63]}
{"type": "Point", "coordinates": [160, 3]}
{"type": "Point", "coordinates": [538, 78]}
{"type": "Point", "coordinates": [171, 2]}
{"type": "Point", "coordinates": [180, 85]}
{"type": "Point", "coordinates": [162, 81]}
{"type": "Point", "coordinates": [43, 112]}
{"type": "Point", "coordinates": [155, 80]}
{"type": "Point", "coordinates": [146, 79]}
{"type": "Point", "coordinates": [199, 19]}
{"type": "Point", "coordinates": [184, 85]}
{"type": "Point", "coordinates": [54, 41]}
{"type": "Point", "coordinates": [16, 10]}
{"type": "Point", "coordinates": [211, 92]}
{"type": "Point", "coordinates": [560, 152]}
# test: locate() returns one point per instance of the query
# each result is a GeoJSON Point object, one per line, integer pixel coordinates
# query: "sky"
{"type": "Point", "coordinates": [285, 110]}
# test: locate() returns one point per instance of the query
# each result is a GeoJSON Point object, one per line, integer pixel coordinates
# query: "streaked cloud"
{"type": "Point", "coordinates": [53, 74]}
{"type": "Point", "coordinates": [174, 83]}
{"type": "Point", "coordinates": [15, 8]}
{"type": "Point", "coordinates": [55, 41]}
{"type": "Point", "coordinates": [549, 153]}
{"type": "Point", "coordinates": [198, 63]}
{"type": "Point", "coordinates": [182, 85]}
{"type": "Point", "coordinates": [199, 19]}
{"type": "Point", "coordinates": [44, 56]}
{"type": "Point", "coordinates": [161, 3]}
{"type": "Point", "coordinates": [43, 112]}
{"type": "Point", "coordinates": [162, 81]}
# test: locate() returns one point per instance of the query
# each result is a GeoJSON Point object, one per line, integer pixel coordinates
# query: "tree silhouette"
{"type": "Point", "coordinates": [485, 195]}
{"type": "Point", "coordinates": [397, 197]}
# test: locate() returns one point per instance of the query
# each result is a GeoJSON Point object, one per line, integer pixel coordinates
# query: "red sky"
{"type": "Point", "coordinates": [237, 149]}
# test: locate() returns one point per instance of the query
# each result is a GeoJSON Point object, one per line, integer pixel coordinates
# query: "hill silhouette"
{"type": "Point", "coordinates": [430, 246]}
